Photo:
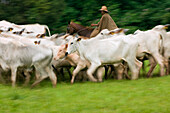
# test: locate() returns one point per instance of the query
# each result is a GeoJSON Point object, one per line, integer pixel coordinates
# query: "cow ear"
{"type": "Point", "coordinates": [78, 39]}
{"type": "Point", "coordinates": [119, 30]}
{"type": "Point", "coordinates": [39, 42]}
{"type": "Point", "coordinates": [111, 32]}
{"type": "Point", "coordinates": [35, 42]}
{"type": "Point", "coordinates": [66, 46]}
{"type": "Point", "coordinates": [38, 36]}
{"type": "Point", "coordinates": [1, 31]}
{"type": "Point", "coordinates": [43, 35]}
{"type": "Point", "coordinates": [10, 29]}
{"type": "Point", "coordinates": [166, 26]}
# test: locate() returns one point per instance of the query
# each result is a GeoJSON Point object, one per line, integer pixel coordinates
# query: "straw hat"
{"type": "Point", "coordinates": [104, 8]}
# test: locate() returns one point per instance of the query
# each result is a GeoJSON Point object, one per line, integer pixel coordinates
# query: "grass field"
{"type": "Point", "coordinates": [111, 96]}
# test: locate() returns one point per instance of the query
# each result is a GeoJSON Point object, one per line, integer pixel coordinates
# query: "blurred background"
{"type": "Point", "coordinates": [131, 14]}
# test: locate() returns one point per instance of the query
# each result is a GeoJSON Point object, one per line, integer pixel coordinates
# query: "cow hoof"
{"type": "Point", "coordinates": [100, 80]}
{"type": "Point", "coordinates": [72, 82]}
{"type": "Point", "coordinates": [94, 80]}
{"type": "Point", "coordinates": [54, 86]}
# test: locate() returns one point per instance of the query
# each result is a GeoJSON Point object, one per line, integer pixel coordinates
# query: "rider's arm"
{"type": "Point", "coordinates": [94, 25]}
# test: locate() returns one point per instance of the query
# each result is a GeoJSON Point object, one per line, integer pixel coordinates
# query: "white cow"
{"type": "Point", "coordinates": [8, 26]}
{"type": "Point", "coordinates": [146, 41]}
{"type": "Point", "coordinates": [75, 60]}
{"type": "Point", "coordinates": [166, 42]}
{"type": "Point", "coordinates": [14, 54]}
{"type": "Point", "coordinates": [36, 28]}
{"type": "Point", "coordinates": [106, 51]}
{"type": "Point", "coordinates": [29, 41]}
{"type": "Point", "coordinates": [150, 43]}
{"type": "Point", "coordinates": [31, 30]}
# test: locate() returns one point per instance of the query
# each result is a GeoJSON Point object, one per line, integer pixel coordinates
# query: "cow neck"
{"type": "Point", "coordinates": [81, 48]}
{"type": "Point", "coordinates": [73, 58]}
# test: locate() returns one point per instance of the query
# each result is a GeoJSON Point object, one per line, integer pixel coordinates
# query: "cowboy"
{"type": "Point", "coordinates": [106, 22]}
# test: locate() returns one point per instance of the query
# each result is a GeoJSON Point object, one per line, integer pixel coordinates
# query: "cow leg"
{"type": "Point", "coordinates": [62, 72]}
{"type": "Point", "coordinates": [75, 72]}
{"type": "Point", "coordinates": [38, 81]}
{"type": "Point", "coordinates": [26, 73]}
{"type": "Point", "coordinates": [68, 70]}
{"type": "Point", "coordinates": [37, 75]}
{"type": "Point", "coordinates": [152, 66]}
{"type": "Point", "coordinates": [91, 70]}
{"type": "Point", "coordinates": [138, 64]}
{"type": "Point", "coordinates": [159, 60]}
{"type": "Point", "coordinates": [112, 71]}
{"type": "Point", "coordinates": [119, 71]}
{"type": "Point", "coordinates": [167, 66]}
{"type": "Point", "coordinates": [134, 66]}
{"type": "Point", "coordinates": [106, 70]}
{"type": "Point", "coordinates": [52, 76]}
{"type": "Point", "coordinates": [126, 72]}
{"type": "Point", "coordinates": [100, 73]}
{"type": "Point", "coordinates": [13, 76]}
{"type": "Point", "coordinates": [1, 78]}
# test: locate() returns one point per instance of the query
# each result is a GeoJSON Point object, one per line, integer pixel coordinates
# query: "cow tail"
{"type": "Point", "coordinates": [161, 45]}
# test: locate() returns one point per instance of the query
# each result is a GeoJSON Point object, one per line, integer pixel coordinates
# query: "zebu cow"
{"type": "Point", "coordinates": [166, 44]}
{"type": "Point", "coordinates": [80, 64]}
{"type": "Point", "coordinates": [50, 43]}
{"type": "Point", "coordinates": [31, 30]}
{"type": "Point", "coordinates": [106, 51]}
{"type": "Point", "coordinates": [8, 26]}
{"type": "Point", "coordinates": [75, 60]}
{"type": "Point", "coordinates": [14, 54]}
{"type": "Point", "coordinates": [146, 41]}
{"type": "Point", "coordinates": [36, 28]}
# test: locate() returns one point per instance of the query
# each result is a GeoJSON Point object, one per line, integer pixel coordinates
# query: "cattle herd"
{"type": "Point", "coordinates": [26, 47]}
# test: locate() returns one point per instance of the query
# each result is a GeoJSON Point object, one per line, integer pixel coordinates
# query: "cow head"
{"type": "Point", "coordinates": [1, 31]}
{"type": "Point", "coordinates": [105, 33]}
{"type": "Point", "coordinates": [161, 27]}
{"type": "Point", "coordinates": [61, 52]}
{"type": "Point", "coordinates": [72, 45]}
{"type": "Point", "coordinates": [166, 26]}
{"type": "Point", "coordinates": [119, 31]}
{"type": "Point", "coordinates": [40, 36]}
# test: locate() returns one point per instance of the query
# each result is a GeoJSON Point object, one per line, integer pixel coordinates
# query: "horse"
{"type": "Point", "coordinates": [79, 29]}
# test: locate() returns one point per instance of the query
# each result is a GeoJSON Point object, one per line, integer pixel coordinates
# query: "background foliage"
{"type": "Point", "coordinates": [132, 14]}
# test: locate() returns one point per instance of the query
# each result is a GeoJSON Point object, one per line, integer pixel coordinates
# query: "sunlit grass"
{"type": "Point", "coordinates": [111, 96]}
{"type": "Point", "coordinates": [139, 96]}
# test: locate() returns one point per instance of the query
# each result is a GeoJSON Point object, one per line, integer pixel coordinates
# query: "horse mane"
{"type": "Point", "coordinates": [79, 29]}
{"type": "Point", "coordinates": [89, 28]}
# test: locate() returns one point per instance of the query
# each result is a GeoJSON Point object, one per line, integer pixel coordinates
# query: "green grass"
{"type": "Point", "coordinates": [111, 96]}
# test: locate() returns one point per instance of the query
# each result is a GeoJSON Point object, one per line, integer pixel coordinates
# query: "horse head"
{"type": "Point", "coordinates": [79, 29]}
{"type": "Point", "coordinates": [71, 29]}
